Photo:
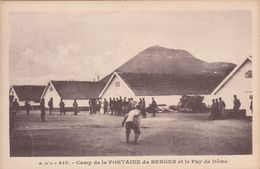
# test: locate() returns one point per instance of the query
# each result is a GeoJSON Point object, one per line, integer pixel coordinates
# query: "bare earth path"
{"type": "Point", "coordinates": [102, 135]}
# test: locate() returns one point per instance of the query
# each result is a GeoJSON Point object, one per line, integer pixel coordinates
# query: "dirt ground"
{"type": "Point", "coordinates": [102, 135]}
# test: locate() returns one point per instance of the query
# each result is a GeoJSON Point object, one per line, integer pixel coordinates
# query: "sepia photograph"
{"type": "Point", "coordinates": [131, 83]}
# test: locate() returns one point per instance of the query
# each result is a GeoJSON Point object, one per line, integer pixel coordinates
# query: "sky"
{"type": "Point", "coordinates": [81, 45]}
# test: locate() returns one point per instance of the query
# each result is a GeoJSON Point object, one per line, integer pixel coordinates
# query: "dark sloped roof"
{"type": "Point", "coordinates": [29, 92]}
{"type": "Point", "coordinates": [169, 84]}
{"type": "Point", "coordinates": [106, 78]}
{"type": "Point", "coordinates": [78, 89]}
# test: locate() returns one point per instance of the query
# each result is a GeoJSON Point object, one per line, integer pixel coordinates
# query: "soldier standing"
{"type": "Point", "coordinates": [236, 105]}
{"type": "Point", "coordinates": [140, 102]}
{"type": "Point", "coordinates": [99, 103]}
{"type": "Point", "coordinates": [116, 106]}
{"type": "Point", "coordinates": [105, 106]}
{"type": "Point", "coordinates": [50, 104]}
{"type": "Point", "coordinates": [75, 107]}
{"type": "Point", "coordinates": [27, 107]}
{"type": "Point", "coordinates": [109, 104]}
{"type": "Point", "coordinates": [217, 108]}
{"type": "Point", "coordinates": [251, 103]}
{"type": "Point", "coordinates": [15, 107]}
{"type": "Point", "coordinates": [213, 110]}
{"type": "Point", "coordinates": [143, 108]}
{"type": "Point", "coordinates": [90, 106]}
{"type": "Point", "coordinates": [124, 106]}
{"type": "Point", "coordinates": [42, 107]}
{"type": "Point", "coordinates": [113, 106]}
{"type": "Point", "coordinates": [132, 104]}
{"type": "Point", "coordinates": [154, 106]}
{"type": "Point", "coordinates": [221, 108]}
{"type": "Point", "coordinates": [62, 107]}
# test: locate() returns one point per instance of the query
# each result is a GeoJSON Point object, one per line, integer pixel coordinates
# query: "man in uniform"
{"type": "Point", "coordinates": [132, 104]}
{"type": "Point", "coordinates": [99, 103]}
{"type": "Point", "coordinates": [27, 107]}
{"type": "Point", "coordinates": [62, 107]}
{"type": "Point", "coordinates": [110, 104]}
{"type": "Point", "coordinates": [251, 103]}
{"type": "Point", "coordinates": [116, 106]}
{"type": "Point", "coordinates": [143, 111]}
{"type": "Point", "coordinates": [124, 106]}
{"type": "Point", "coordinates": [42, 107]}
{"type": "Point", "coordinates": [50, 104]}
{"type": "Point", "coordinates": [221, 108]}
{"type": "Point", "coordinates": [105, 106]}
{"type": "Point", "coordinates": [75, 107]}
{"type": "Point", "coordinates": [213, 109]}
{"type": "Point", "coordinates": [236, 105]}
{"type": "Point", "coordinates": [15, 107]}
{"type": "Point", "coordinates": [154, 106]}
{"type": "Point", "coordinates": [132, 122]}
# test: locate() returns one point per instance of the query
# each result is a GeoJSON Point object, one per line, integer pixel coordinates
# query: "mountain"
{"type": "Point", "coordinates": [160, 60]}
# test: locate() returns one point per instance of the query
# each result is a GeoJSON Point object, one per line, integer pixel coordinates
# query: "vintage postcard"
{"type": "Point", "coordinates": [129, 84]}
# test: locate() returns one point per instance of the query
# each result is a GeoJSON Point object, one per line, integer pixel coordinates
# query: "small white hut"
{"type": "Point", "coordinates": [82, 91]}
{"type": "Point", "coordinates": [30, 93]}
{"type": "Point", "coordinates": [238, 82]}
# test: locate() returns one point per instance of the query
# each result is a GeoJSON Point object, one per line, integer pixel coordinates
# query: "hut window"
{"type": "Point", "coordinates": [117, 84]}
{"type": "Point", "coordinates": [248, 74]}
{"type": "Point", "coordinates": [51, 89]}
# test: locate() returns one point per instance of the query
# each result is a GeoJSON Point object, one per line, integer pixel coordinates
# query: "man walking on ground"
{"type": "Point", "coordinates": [50, 104]}
{"type": "Point", "coordinates": [236, 105]}
{"type": "Point", "coordinates": [42, 107]}
{"type": "Point", "coordinates": [132, 122]}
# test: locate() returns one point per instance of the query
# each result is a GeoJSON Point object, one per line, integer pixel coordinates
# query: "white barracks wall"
{"type": "Point", "coordinates": [239, 85]}
{"type": "Point", "coordinates": [168, 100]}
{"type": "Point", "coordinates": [117, 88]}
{"type": "Point", "coordinates": [81, 103]}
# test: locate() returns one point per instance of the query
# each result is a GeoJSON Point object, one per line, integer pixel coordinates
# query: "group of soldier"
{"type": "Point", "coordinates": [115, 106]}
{"type": "Point", "coordinates": [120, 107]}
{"type": "Point", "coordinates": [218, 108]}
